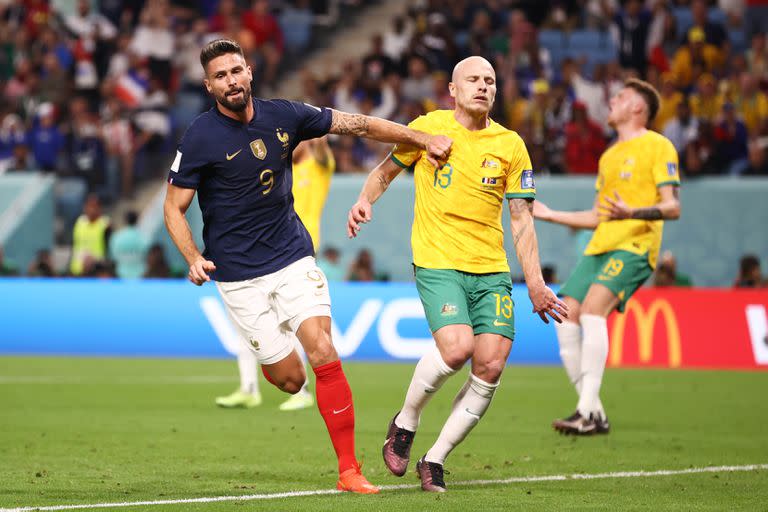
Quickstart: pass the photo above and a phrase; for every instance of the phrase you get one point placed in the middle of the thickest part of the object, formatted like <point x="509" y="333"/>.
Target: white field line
<point x="73" y="379"/>
<point x="465" y="483"/>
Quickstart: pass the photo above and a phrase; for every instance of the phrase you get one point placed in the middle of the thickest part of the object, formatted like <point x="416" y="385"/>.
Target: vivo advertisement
<point x="673" y="328"/>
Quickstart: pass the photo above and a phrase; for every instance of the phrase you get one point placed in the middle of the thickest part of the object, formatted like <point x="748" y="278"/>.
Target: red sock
<point x="334" y="399"/>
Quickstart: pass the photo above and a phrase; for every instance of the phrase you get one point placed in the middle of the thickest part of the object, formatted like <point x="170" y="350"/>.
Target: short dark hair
<point x="131" y="218"/>
<point x="748" y="263"/>
<point x="649" y="94"/>
<point x="217" y="48"/>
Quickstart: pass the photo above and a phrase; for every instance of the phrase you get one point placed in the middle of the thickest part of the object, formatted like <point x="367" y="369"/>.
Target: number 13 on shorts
<point x="503" y="305"/>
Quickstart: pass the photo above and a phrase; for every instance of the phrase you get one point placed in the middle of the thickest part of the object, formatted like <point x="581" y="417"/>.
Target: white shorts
<point x="268" y="310"/>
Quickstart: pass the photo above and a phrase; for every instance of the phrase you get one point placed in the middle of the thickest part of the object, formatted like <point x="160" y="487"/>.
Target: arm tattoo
<point x="518" y="206"/>
<point x="382" y="180"/>
<point x="652" y="213"/>
<point x="348" y="124"/>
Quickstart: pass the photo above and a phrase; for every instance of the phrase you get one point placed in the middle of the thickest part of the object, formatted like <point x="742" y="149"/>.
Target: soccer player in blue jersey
<point x="237" y="156"/>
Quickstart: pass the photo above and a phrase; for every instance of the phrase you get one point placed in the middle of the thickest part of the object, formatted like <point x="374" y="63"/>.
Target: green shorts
<point x="482" y="301"/>
<point x="622" y="272"/>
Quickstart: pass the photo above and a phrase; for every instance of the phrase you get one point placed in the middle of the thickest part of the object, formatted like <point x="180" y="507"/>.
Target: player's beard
<point x="236" y="105"/>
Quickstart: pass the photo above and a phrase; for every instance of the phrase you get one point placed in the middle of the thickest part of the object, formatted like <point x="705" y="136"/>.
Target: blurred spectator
<point x="157" y="265"/>
<point x="757" y="57"/>
<point x="128" y="249"/>
<point x="268" y="39"/>
<point x="11" y="135"/>
<point x="750" y="275"/>
<point x="516" y="108"/>
<point x="705" y="103"/>
<point x="42" y="265"/>
<point x="101" y="270"/>
<point x="84" y="147"/>
<point x="90" y="236"/>
<point x="153" y="40"/>
<point x="376" y="63"/>
<point x="46" y="139"/>
<point x="417" y="86"/>
<point x="714" y="32"/>
<point x="683" y="128"/>
<point x="118" y="137"/>
<point x="752" y="105"/>
<point x="670" y="99"/>
<point x="696" y="56"/>
<point x="700" y="156"/>
<point x="362" y="269"/>
<point x="6" y="269"/>
<point x="21" y="159"/>
<point x="630" y="30"/>
<point x="758" y="156"/>
<point x="397" y="38"/>
<point x="330" y="263"/>
<point x="731" y="136"/>
<point x="584" y="142"/>
<point x="556" y="117"/>
<point x="549" y="273"/>
<point x="594" y="95"/>
<point x="667" y="274"/>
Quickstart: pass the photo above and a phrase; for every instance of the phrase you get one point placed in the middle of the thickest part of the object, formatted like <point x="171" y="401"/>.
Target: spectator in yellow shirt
<point x="752" y="104"/>
<point x="697" y="51"/>
<point x="670" y="99"/>
<point x="706" y="104"/>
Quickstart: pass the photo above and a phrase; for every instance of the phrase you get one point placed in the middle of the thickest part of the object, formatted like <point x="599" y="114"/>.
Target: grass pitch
<point x="90" y="430"/>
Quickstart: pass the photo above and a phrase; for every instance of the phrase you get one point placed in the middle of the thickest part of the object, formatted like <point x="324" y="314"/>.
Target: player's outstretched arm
<point x="177" y="200"/>
<point x="437" y="147"/>
<point x="586" y="219"/>
<point x="544" y="300"/>
<point x="375" y="185"/>
<point x="666" y="209"/>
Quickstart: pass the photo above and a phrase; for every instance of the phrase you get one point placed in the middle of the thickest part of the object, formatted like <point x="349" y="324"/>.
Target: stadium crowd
<point x="557" y="65"/>
<point x="99" y="92"/>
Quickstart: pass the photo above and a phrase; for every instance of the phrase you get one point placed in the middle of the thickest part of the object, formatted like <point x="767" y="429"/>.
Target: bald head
<point x="471" y="65"/>
<point x="473" y="85"/>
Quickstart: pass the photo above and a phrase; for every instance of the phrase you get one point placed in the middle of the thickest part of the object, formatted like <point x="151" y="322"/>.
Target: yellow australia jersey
<point x="457" y="217"/>
<point x="311" y="182"/>
<point x="635" y="169"/>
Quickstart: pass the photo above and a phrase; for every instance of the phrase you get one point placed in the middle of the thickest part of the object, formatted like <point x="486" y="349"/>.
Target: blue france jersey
<point x="243" y="176"/>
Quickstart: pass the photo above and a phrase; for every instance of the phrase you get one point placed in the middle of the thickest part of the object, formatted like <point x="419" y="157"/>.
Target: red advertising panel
<point x="690" y="328"/>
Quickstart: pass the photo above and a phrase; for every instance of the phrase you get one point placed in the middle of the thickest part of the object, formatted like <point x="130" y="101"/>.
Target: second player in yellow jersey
<point x="634" y="169"/>
<point x="637" y="190"/>
<point x="313" y="167"/>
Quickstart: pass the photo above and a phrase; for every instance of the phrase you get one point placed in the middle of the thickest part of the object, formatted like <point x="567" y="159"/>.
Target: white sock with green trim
<point x="594" y="352"/>
<point x="471" y="403"/>
<point x="430" y="374"/>
<point x="569" y="339"/>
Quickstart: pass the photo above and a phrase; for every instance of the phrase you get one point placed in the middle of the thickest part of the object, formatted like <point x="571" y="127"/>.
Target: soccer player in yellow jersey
<point x="462" y="274"/>
<point x="637" y="190"/>
<point x="313" y="166"/>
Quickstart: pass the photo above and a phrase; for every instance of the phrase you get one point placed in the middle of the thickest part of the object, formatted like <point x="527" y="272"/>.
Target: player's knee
<point x="322" y="353"/>
<point x="456" y="355"/>
<point x="293" y="385"/>
<point x="489" y="371"/>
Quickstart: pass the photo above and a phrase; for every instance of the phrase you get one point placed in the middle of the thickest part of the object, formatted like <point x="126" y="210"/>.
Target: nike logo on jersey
<point x="342" y="410"/>
<point x="500" y="324"/>
<point x="233" y="155"/>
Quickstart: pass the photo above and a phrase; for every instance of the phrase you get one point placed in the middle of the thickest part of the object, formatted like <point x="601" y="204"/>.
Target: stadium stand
<point x="101" y="109"/>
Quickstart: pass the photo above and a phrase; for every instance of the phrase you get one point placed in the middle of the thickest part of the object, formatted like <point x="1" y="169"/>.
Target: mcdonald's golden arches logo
<point x="645" y="322"/>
